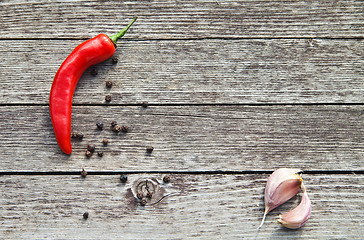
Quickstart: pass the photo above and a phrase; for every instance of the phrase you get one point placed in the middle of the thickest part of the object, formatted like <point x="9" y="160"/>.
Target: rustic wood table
<point x="225" y="92"/>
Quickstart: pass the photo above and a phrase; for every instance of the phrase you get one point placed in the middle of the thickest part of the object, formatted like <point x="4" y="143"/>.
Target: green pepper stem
<point x="115" y="37"/>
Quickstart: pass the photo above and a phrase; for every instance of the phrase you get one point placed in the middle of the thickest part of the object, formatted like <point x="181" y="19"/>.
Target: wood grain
<point x="203" y="207"/>
<point x="171" y="19"/>
<point x="204" y="72"/>
<point x="238" y="86"/>
<point x="189" y="138"/>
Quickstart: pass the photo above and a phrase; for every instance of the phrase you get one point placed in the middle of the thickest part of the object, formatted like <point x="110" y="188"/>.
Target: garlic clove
<point x="282" y="185"/>
<point x="298" y="216"/>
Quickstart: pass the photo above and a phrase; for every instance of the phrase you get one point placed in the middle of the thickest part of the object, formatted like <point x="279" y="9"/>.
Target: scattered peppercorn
<point x="85" y="215"/>
<point x="100" y="154"/>
<point x="83" y="173"/>
<point x="124" y="129"/>
<point x="91" y="147"/>
<point x="116" y="128"/>
<point x="114" y="59"/>
<point x="94" y="72"/>
<point x="100" y="125"/>
<point x="123" y="178"/>
<point x="113" y="123"/>
<point x="77" y="135"/>
<point x="88" y="153"/>
<point x="108" y="98"/>
<point x="144" y="104"/>
<point x="105" y="141"/>
<point x="108" y="84"/>
<point x="166" y="179"/>
<point x="150" y="149"/>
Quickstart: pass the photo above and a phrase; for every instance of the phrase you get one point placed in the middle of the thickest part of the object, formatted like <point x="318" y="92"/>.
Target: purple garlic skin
<point x="282" y="185"/>
<point x="298" y="216"/>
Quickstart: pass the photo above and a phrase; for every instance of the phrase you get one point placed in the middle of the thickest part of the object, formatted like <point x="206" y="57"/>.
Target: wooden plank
<point x="203" y="207"/>
<point x="205" y="71"/>
<point x="171" y="19"/>
<point x="188" y="138"/>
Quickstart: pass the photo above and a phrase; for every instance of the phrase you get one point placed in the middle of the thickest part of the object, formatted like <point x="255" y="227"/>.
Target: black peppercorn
<point x="80" y="135"/>
<point x="91" y="147"/>
<point x="166" y="179"/>
<point x="144" y="104"/>
<point x="123" y="178"/>
<point x="108" y="84"/>
<point x="100" y="125"/>
<point x="100" y="154"/>
<point x="77" y="135"/>
<point x="94" y="72"/>
<point x="116" y="128"/>
<point x="83" y="173"/>
<point x="124" y="129"/>
<point x="105" y="141"/>
<point x="149" y="149"/>
<point x="108" y="98"/>
<point x="85" y="215"/>
<point x="114" y="59"/>
<point x="88" y="153"/>
<point x="113" y="123"/>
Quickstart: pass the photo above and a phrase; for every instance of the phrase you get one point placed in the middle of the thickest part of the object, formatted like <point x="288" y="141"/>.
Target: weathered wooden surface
<point x="203" y="71"/>
<point x="196" y="138"/>
<point x="183" y="19"/>
<point x="203" y="207"/>
<point x="237" y="89"/>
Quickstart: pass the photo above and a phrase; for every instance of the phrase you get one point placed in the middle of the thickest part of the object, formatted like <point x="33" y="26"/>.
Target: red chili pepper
<point x="86" y="54"/>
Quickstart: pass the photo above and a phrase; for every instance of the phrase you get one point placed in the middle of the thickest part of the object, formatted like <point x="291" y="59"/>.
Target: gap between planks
<point x="188" y="39"/>
<point x="43" y="173"/>
<point x="187" y="104"/>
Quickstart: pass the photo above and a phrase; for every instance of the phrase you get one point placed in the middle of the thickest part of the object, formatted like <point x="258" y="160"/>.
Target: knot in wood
<point x="147" y="189"/>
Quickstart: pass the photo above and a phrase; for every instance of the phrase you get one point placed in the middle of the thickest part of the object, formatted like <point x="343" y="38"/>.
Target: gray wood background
<point x="236" y="89"/>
